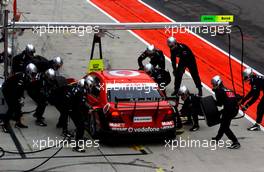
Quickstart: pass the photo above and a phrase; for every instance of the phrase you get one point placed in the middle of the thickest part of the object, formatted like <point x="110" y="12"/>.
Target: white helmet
<point x="150" y="49"/>
<point x="171" y="41"/>
<point x="57" y="62"/>
<point x="183" y="90"/>
<point x="50" y="74"/>
<point x="89" y="80"/>
<point x="31" y="71"/>
<point x="148" y="67"/>
<point x="247" y="74"/>
<point x="81" y="82"/>
<point x="30" y="49"/>
<point x="216" y="81"/>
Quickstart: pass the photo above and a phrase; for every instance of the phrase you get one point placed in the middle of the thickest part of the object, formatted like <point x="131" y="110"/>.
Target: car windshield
<point x="133" y="94"/>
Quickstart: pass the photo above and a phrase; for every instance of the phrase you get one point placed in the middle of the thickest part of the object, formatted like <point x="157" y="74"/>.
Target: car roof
<point x="125" y="76"/>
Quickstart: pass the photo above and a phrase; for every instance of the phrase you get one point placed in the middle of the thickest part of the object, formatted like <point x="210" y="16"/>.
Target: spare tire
<point x="210" y="111"/>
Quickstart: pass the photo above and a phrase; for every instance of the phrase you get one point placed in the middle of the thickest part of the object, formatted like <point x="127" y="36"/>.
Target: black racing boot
<point x="235" y="145"/>
<point x="254" y="127"/>
<point x="20" y="125"/>
<point x="194" y="128"/>
<point x="78" y="149"/>
<point x="67" y="134"/>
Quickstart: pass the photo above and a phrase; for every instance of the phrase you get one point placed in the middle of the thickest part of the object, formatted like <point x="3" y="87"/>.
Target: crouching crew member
<point x="13" y="91"/>
<point x="34" y="89"/>
<point x="227" y="99"/>
<point x="191" y="106"/>
<point x="157" y="58"/>
<point x="257" y="85"/>
<point x="187" y="60"/>
<point x="160" y="76"/>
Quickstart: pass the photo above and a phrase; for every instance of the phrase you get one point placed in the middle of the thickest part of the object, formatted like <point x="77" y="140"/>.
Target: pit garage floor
<point x="136" y="156"/>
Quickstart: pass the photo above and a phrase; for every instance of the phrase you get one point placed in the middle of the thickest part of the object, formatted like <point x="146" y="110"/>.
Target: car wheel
<point x="92" y="126"/>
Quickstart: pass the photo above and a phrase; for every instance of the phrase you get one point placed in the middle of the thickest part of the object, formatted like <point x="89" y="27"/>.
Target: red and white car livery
<point x="128" y="102"/>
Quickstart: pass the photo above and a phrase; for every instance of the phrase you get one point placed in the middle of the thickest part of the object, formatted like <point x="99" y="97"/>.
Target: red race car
<point x="128" y="102"/>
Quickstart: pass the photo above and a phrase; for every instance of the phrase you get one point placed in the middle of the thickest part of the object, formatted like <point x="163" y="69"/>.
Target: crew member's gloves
<point x="244" y="108"/>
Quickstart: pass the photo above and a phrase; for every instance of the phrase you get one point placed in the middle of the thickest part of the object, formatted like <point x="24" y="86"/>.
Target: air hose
<point x="241" y="64"/>
<point x="3" y="152"/>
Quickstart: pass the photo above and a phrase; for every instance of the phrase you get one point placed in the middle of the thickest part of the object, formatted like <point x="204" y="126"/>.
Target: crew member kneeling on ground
<point x="157" y="58"/>
<point x="160" y="76"/>
<point x="257" y="85"/>
<point x="187" y="60"/>
<point x="13" y="91"/>
<point x="191" y="106"/>
<point x="227" y="99"/>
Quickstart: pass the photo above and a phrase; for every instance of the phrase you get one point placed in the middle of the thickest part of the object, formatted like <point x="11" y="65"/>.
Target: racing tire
<point x="210" y="111"/>
<point x="93" y="126"/>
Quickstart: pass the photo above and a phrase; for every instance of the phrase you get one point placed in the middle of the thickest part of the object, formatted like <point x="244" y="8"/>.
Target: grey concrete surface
<point x="125" y="157"/>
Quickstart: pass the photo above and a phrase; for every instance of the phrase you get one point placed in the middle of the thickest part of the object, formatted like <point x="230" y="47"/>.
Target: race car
<point x="128" y="102"/>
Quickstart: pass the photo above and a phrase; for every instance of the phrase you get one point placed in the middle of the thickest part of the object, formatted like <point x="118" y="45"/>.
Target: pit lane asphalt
<point x="76" y="50"/>
<point x="247" y="14"/>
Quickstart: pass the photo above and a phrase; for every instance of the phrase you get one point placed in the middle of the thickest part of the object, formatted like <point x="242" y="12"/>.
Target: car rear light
<point x="115" y="114"/>
<point x="169" y="112"/>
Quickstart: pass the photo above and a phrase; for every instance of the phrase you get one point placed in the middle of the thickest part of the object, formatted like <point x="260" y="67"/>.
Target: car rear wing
<point x="136" y="100"/>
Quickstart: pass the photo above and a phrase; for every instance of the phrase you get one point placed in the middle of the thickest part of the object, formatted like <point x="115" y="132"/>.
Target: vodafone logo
<point x="124" y="73"/>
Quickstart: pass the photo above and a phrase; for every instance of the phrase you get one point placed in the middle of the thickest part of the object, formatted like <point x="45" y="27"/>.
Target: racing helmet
<point x="81" y="83"/>
<point x="9" y="52"/>
<point x="150" y="49"/>
<point x="148" y="68"/>
<point x="216" y="81"/>
<point x="30" y="49"/>
<point x="31" y="71"/>
<point x="183" y="92"/>
<point x="57" y="62"/>
<point x="89" y="81"/>
<point x="247" y="74"/>
<point x="171" y="41"/>
<point x="50" y="74"/>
